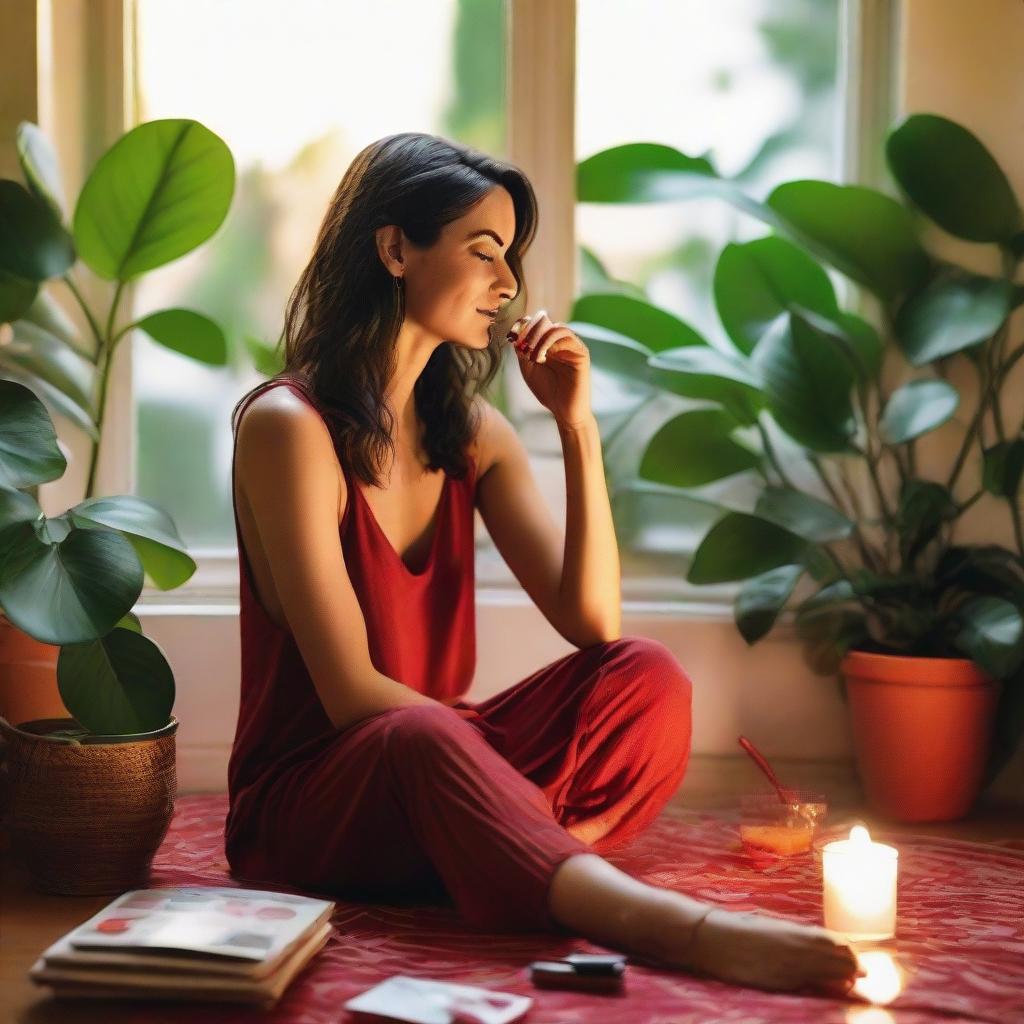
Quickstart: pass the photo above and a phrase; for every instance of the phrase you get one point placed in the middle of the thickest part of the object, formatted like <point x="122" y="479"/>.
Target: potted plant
<point x="841" y="525"/>
<point x="89" y="796"/>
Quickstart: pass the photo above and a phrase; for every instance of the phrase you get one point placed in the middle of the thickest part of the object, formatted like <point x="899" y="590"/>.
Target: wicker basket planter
<point x="87" y="814"/>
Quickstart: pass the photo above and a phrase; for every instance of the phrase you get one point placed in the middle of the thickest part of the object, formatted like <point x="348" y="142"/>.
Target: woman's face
<point x="464" y="272"/>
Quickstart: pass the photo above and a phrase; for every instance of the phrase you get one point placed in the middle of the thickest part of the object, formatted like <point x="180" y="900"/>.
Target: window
<point x="752" y="84"/>
<point x="295" y="98"/>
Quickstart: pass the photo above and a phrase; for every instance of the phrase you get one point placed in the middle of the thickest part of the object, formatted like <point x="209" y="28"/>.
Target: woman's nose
<point x="509" y="289"/>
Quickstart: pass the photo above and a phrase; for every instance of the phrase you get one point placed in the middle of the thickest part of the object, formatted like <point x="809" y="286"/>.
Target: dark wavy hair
<point x="344" y="313"/>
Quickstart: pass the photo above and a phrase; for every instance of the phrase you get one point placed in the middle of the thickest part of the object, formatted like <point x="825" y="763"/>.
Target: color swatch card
<point x="421" y="1001"/>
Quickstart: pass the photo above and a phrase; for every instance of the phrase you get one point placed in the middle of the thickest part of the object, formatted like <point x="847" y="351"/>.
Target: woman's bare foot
<point x="770" y="953"/>
<point x="602" y="903"/>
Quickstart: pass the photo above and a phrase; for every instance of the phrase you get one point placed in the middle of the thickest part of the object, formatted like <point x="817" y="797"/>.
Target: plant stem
<point x="854" y="515"/>
<point x="972" y="429"/>
<point x="883" y="505"/>
<point x="900" y="469"/>
<point x="772" y="457"/>
<point x="103" y="361"/>
<point x="838" y="563"/>
<point x="965" y="505"/>
<point x="69" y="281"/>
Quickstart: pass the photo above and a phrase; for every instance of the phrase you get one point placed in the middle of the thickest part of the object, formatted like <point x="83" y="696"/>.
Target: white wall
<point x="765" y="692"/>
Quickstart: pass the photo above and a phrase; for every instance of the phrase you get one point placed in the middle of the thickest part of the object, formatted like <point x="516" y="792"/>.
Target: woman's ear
<point x="389" y="247"/>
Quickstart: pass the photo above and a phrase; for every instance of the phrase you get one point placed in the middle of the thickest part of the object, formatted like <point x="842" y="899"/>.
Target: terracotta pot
<point x="28" y="691"/>
<point x="28" y="677"/>
<point x="921" y="732"/>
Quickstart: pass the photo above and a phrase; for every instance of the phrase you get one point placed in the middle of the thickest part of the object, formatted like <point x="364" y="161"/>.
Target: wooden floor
<point x="31" y="921"/>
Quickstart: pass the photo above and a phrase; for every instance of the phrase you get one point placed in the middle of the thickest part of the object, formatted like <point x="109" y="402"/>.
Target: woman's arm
<point x="591" y="579"/>
<point x="553" y="571"/>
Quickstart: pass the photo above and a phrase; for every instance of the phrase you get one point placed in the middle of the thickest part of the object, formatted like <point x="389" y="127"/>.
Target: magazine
<point x="189" y="942"/>
<point x="110" y="983"/>
<point x="247" y="925"/>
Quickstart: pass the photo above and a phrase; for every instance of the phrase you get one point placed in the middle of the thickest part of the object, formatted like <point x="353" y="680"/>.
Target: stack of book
<point x="195" y="942"/>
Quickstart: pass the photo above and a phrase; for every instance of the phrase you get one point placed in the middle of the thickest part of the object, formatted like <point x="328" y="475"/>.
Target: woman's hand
<point x="555" y="365"/>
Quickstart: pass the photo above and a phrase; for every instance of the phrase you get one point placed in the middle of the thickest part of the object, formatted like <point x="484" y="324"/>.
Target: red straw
<point x="785" y="795"/>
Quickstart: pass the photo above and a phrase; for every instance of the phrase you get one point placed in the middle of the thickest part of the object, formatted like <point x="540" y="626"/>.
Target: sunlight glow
<point x="883" y="981"/>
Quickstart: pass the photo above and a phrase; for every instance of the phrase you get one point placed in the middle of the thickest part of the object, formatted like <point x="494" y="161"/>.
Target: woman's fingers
<point x="517" y="328"/>
<point x="525" y="328"/>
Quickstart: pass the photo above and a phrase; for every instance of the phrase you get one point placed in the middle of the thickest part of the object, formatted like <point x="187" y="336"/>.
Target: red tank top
<point x="421" y="628"/>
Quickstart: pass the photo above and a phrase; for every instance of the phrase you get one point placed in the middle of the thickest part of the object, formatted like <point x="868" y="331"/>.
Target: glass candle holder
<point x="859" y="886"/>
<point x="770" y="827"/>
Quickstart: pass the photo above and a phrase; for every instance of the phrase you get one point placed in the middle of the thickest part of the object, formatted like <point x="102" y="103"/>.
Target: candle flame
<point x="860" y="835"/>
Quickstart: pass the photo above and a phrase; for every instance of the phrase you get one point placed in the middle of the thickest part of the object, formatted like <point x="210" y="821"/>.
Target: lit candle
<point x="860" y="886"/>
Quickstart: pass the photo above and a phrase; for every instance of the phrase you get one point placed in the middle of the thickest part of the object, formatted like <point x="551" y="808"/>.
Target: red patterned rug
<point x="958" y="953"/>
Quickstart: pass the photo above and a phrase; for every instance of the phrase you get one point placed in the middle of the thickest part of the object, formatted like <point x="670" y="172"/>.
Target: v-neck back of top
<point x="421" y="625"/>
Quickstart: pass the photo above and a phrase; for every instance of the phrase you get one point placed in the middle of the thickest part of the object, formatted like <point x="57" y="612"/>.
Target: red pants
<point x="473" y="801"/>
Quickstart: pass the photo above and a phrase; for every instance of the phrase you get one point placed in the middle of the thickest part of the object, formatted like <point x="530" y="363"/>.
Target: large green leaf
<point x="29" y="453"/>
<point x="69" y="590"/>
<point x="954" y="311"/>
<point x="189" y="333"/>
<point x="161" y="190"/>
<point x="802" y="514"/>
<point x="983" y="569"/>
<point x="16" y="296"/>
<point x="864" y="234"/>
<point x="756" y="281"/>
<point x="852" y="338"/>
<point x="116" y="685"/>
<point x="34" y="350"/>
<point x="824" y="600"/>
<point x="594" y="278"/>
<point x="807" y="383"/>
<point x="916" y="408"/>
<point x="33" y="245"/>
<point x="613" y="352"/>
<point x="39" y="165"/>
<point x="948" y="173"/>
<point x="1002" y="467"/>
<point x="53" y="398"/>
<point x="624" y="450"/>
<point x="760" y="600"/>
<point x="695" y="448"/>
<point x="148" y="527"/>
<point x="654" y="328"/>
<point x="17" y="507"/>
<point x="699" y="372"/>
<point x="862" y="342"/>
<point x="739" y="546"/>
<point x="647" y="172"/>
<point x="991" y="634"/>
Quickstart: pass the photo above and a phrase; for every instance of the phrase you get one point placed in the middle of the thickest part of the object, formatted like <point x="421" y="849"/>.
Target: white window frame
<point x="85" y="73"/>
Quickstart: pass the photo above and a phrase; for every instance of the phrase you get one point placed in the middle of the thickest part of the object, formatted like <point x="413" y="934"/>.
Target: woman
<point x="357" y="767"/>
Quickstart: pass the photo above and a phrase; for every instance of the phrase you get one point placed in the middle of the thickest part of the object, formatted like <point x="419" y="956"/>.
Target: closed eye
<point x="483" y="257"/>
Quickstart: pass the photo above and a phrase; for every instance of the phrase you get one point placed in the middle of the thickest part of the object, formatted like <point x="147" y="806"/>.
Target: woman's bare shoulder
<point x="279" y="424"/>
